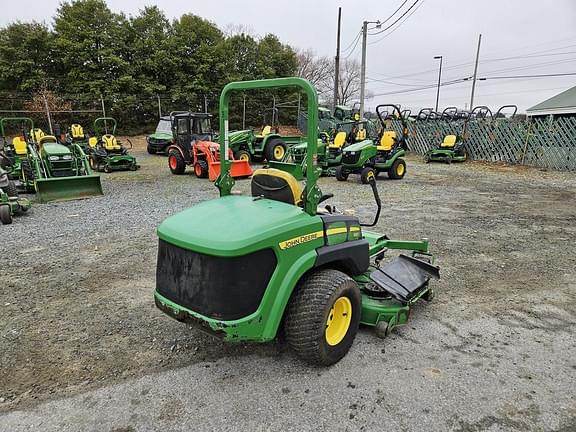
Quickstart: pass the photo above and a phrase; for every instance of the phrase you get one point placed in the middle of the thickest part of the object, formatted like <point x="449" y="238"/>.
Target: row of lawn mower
<point x="311" y="272"/>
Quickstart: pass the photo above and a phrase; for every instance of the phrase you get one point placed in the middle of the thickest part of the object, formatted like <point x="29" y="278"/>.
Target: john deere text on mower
<point x="194" y="146"/>
<point x="368" y="159"/>
<point x="108" y="153"/>
<point x="313" y="271"/>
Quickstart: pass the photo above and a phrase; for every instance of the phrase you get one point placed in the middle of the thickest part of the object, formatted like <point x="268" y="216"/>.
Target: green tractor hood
<point x="359" y="146"/>
<point x="236" y="225"/>
<point x="55" y="149"/>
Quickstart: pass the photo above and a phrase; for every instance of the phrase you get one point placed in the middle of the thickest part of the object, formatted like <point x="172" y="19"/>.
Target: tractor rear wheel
<point x="275" y="150"/>
<point x="323" y="316"/>
<point x="11" y="190"/>
<point x="341" y="174"/>
<point x="5" y="215"/>
<point x="366" y="174"/>
<point x="397" y="170"/>
<point x="201" y="168"/>
<point x="150" y="149"/>
<point x="93" y="163"/>
<point x="242" y="155"/>
<point x="176" y="162"/>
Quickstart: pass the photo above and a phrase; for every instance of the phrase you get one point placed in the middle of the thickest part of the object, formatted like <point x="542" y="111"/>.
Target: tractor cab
<point x="188" y="128"/>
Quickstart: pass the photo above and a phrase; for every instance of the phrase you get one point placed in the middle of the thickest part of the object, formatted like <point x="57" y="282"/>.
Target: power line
<point x="394" y="13"/>
<point x="354" y="42"/>
<point x="446" y="83"/>
<point x="399" y="18"/>
<point x="527" y="76"/>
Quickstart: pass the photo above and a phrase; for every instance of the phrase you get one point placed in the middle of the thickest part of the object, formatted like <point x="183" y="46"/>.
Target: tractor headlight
<point x="67" y="157"/>
<point x="53" y="158"/>
<point x="352" y="153"/>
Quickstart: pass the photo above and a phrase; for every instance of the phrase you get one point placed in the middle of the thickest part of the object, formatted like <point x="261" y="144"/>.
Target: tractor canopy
<point x="163" y="130"/>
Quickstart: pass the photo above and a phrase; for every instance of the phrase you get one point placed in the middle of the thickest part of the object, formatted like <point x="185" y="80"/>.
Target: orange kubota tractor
<point x="194" y="146"/>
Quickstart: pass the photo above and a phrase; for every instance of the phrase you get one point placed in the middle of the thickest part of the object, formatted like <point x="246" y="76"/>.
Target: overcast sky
<point x="540" y="35"/>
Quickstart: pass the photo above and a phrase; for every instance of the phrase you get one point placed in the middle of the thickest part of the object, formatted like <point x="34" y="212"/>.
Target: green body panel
<point x="255" y="144"/>
<point x="444" y="155"/>
<point x="368" y="151"/>
<point x="161" y="136"/>
<point x="55" y="149"/>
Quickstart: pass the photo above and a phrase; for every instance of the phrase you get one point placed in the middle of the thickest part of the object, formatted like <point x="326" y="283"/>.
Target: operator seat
<point x="266" y="130"/>
<point x="110" y="143"/>
<point x="20" y="146"/>
<point x="339" y="140"/>
<point x="77" y="131"/>
<point x="361" y="135"/>
<point x="387" y="141"/>
<point x="449" y="141"/>
<point x="276" y="185"/>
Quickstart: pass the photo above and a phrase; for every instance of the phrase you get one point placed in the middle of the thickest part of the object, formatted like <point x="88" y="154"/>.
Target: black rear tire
<point x="397" y="170"/>
<point x="201" y="168"/>
<point x="150" y="149"/>
<point x="27" y="175"/>
<point x="366" y="174"/>
<point x="11" y="190"/>
<point x="341" y="174"/>
<point x="5" y="214"/>
<point x="310" y="311"/>
<point x="273" y="149"/>
<point x="243" y="155"/>
<point x="176" y="162"/>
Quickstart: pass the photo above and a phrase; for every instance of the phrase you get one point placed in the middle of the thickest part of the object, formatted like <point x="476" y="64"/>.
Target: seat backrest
<point x="449" y="141"/>
<point x="266" y="130"/>
<point x="92" y="142"/>
<point x="387" y="141"/>
<point x="276" y="185"/>
<point x="339" y="140"/>
<point x="77" y="131"/>
<point x="36" y="134"/>
<point x="361" y="135"/>
<point x="20" y="146"/>
<point x="110" y="143"/>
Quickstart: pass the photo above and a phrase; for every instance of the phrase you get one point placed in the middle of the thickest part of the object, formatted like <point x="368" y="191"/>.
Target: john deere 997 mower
<point x="314" y="272"/>
<point x="369" y="159"/>
<point x="107" y="152"/>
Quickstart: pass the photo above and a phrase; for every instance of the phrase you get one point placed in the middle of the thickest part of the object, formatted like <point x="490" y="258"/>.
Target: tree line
<point x="89" y="54"/>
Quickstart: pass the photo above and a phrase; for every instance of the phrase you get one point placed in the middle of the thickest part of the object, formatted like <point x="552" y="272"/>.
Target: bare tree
<point x="318" y="70"/>
<point x="237" y="29"/>
<point x="349" y="85"/>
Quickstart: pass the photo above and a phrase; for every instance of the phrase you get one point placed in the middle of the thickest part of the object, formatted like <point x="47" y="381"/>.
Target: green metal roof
<point x="562" y="103"/>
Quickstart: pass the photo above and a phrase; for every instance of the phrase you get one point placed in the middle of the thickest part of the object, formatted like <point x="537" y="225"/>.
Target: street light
<point x="363" y="69"/>
<point x="439" y="77"/>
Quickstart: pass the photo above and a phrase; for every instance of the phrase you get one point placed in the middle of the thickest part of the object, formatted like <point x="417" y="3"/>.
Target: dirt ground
<point x="77" y="278"/>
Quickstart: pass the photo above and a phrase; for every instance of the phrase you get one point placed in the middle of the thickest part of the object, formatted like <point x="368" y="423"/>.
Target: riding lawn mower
<point x="313" y="273"/>
<point x="108" y="153"/>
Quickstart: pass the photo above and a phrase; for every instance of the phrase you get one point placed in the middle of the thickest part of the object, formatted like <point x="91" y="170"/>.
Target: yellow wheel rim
<point x="244" y="157"/>
<point x="338" y="321"/>
<point x="279" y="152"/>
<point x="400" y="169"/>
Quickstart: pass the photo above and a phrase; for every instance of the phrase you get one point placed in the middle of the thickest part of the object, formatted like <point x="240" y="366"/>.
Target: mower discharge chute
<point x="313" y="270"/>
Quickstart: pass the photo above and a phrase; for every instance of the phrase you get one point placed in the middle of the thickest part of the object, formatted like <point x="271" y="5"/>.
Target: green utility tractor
<point x="162" y="138"/>
<point x="369" y="159"/>
<point x="108" y="153"/>
<point x="268" y="144"/>
<point x="10" y="202"/>
<point x="313" y="272"/>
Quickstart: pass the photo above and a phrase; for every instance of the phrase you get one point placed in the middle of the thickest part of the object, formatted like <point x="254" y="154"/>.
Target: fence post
<point x="103" y="107"/>
<point x="159" y="107"/>
<point x="48" y="114"/>
<point x="243" y="111"/>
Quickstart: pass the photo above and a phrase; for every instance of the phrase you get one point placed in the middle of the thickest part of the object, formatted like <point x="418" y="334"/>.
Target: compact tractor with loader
<point x="107" y="152"/>
<point x="368" y="159"/>
<point x="314" y="272"/>
<point x="194" y="146"/>
<point x="268" y="144"/>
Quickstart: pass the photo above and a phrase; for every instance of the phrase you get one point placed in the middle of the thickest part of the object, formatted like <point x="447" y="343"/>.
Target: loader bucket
<point x="290" y="168"/>
<point x="68" y="188"/>
<point x="237" y="169"/>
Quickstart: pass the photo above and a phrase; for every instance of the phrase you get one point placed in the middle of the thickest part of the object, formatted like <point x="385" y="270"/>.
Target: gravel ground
<point x="83" y="347"/>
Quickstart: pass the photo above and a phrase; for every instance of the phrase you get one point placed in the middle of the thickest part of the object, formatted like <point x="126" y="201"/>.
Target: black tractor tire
<point x="5" y="214"/>
<point x="93" y="163"/>
<point x="134" y="166"/>
<point x="341" y="174"/>
<point x="150" y="149"/>
<point x="201" y="168"/>
<point x="243" y="155"/>
<point x="176" y="162"/>
<point x="366" y="174"/>
<point x="107" y="169"/>
<point x="311" y="310"/>
<point x="397" y="170"/>
<point x="11" y="189"/>
<point x="272" y="152"/>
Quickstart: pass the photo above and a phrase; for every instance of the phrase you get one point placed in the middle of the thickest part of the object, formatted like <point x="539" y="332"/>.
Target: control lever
<point x="372" y="182"/>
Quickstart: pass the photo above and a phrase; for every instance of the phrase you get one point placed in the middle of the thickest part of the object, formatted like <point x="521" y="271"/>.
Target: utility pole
<point x="48" y="113"/>
<point x="159" y="107"/>
<point x="363" y="69"/>
<point x="475" y="72"/>
<point x="337" y="60"/>
<point x="439" y="78"/>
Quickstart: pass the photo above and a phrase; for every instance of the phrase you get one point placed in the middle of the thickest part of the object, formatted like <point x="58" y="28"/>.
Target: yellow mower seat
<point x="449" y="141"/>
<point x="92" y="142"/>
<point x="276" y="185"/>
<point x="20" y="146"/>
<point x="339" y="140"/>
<point x="387" y="141"/>
<point x="110" y="143"/>
<point x="266" y="130"/>
<point x="361" y="135"/>
<point x="77" y="131"/>
<point x="37" y="134"/>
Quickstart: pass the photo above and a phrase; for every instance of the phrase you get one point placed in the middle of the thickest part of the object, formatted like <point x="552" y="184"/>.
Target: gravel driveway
<point x="84" y="348"/>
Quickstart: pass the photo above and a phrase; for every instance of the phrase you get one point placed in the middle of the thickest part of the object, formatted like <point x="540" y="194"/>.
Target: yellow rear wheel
<point x="338" y="321"/>
<point x="279" y="152"/>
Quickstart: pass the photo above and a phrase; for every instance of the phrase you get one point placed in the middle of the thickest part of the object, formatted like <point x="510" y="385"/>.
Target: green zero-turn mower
<point x="108" y="153"/>
<point x="369" y="159"/>
<point x="315" y="273"/>
<point x="10" y="202"/>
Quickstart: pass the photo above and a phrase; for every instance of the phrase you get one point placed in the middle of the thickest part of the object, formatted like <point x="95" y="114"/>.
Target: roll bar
<point x="514" y="107"/>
